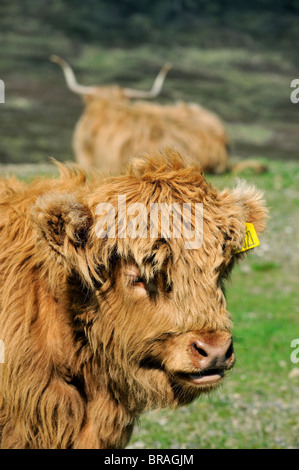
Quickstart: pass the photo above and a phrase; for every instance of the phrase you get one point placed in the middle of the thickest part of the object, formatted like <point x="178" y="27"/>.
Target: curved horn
<point x="71" y="79"/>
<point x="156" y="88"/>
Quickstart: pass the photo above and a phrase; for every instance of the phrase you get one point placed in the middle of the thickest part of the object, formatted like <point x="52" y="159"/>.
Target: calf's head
<point x="150" y="308"/>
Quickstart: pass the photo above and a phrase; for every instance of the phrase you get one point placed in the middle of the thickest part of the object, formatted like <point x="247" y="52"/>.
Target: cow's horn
<point x="156" y="88"/>
<point x="71" y="79"/>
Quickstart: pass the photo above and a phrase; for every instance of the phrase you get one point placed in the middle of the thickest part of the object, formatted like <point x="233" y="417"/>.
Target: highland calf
<point x="113" y="128"/>
<point x="98" y="329"/>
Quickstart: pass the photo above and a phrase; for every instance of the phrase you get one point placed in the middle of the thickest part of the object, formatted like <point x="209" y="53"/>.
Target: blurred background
<point x="238" y="60"/>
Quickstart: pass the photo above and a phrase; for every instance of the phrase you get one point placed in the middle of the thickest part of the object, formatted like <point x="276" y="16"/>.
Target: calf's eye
<point x="136" y="281"/>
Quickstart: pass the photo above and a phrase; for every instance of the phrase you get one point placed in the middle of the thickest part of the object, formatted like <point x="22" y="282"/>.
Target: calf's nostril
<point x="212" y="353"/>
<point x="230" y="351"/>
<point x="199" y="349"/>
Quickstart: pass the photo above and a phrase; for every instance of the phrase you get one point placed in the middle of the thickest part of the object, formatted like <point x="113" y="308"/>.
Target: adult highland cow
<point x="99" y="326"/>
<point x="115" y="126"/>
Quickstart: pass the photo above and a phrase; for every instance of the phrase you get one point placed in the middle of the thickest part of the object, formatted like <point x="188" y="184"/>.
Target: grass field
<point x="257" y="407"/>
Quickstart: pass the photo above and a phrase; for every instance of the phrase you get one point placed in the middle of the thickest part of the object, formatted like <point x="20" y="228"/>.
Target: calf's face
<point x="171" y="328"/>
<point x="185" y="335"/>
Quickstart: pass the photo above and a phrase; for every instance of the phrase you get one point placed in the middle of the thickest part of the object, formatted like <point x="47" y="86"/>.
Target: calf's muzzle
<point x="212" y="351"/>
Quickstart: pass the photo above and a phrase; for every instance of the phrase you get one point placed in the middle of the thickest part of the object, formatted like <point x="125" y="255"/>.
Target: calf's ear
<point x="62" y="221"/>
<point x="244" y="204"/>
<point x="252" y="205"/>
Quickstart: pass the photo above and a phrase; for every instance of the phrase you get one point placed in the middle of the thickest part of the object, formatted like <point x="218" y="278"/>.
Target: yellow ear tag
<point x="251" y="239"/>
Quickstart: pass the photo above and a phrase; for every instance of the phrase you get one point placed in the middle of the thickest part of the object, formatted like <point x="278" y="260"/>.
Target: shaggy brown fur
<point x="114" y="128"/>
<point x="97" y="330"/>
